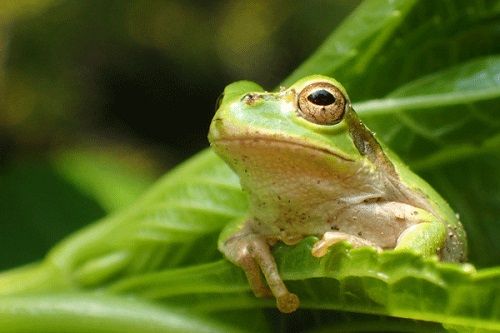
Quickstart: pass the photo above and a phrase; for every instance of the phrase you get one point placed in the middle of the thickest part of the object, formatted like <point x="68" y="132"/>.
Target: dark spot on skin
<point x="360" y="233"/>
<point x="335" y="227"/>
<point x="372" y="200"/>
<point x="414" y="212"/>
<point x="279" y="197"/>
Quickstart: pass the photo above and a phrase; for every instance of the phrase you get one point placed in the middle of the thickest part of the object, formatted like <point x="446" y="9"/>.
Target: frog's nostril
<point x="251" y="98"/>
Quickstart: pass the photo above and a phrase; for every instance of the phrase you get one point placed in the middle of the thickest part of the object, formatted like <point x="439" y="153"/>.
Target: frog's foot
<point x="330" y="238"/>
<point x="252" y="253"/>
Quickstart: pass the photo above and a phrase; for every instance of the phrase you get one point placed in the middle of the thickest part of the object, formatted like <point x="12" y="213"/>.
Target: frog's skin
<point x="310" y="167"/>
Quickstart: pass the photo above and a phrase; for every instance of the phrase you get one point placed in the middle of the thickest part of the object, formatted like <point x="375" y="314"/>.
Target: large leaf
<point x="113" y="177"/>
<point x="367" y="28"/>
<point x="97" y="313"/>
<point x="442" y="117"/>
<point x="443" y="124"/>
<point x="402" y="40"/>
<point x="359" y="280"/>
<point x="177" y="221"/>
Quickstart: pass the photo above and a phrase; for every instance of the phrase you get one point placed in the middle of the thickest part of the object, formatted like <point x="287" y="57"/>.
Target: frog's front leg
<point x="330" y="238"/>
<point x="252" y="253"/>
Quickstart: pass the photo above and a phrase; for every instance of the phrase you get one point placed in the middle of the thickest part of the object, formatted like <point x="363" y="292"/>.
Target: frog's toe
<point x="252" y="271"/>
<point x="261" y="291"/>
<point x="288" y="302"/>
<point x="320" y="248"/>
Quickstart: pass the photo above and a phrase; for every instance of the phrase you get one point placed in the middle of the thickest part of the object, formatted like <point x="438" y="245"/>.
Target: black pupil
<point x="321" y="97"/>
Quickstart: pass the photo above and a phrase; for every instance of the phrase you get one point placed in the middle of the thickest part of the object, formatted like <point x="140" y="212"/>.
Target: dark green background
<point x="123" y="90"/>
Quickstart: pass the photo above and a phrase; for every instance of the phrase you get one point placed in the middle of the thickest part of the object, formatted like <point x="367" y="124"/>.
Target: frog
<point x="310" y="167"/>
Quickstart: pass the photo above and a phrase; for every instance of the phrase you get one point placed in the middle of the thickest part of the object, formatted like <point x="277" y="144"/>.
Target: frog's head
<point x="290" y="148"/>
<point x="309" y="114"/>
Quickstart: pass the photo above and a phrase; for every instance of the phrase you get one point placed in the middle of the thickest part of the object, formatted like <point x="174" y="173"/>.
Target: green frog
<point x="311" y="167"/>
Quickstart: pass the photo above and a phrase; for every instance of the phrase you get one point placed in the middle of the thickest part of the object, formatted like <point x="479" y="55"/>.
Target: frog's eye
<point x="218" y="102"/>
<point x="322" y="103"/>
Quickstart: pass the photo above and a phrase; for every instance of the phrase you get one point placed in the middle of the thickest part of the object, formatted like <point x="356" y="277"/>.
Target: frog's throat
<point x="281" y="141"/>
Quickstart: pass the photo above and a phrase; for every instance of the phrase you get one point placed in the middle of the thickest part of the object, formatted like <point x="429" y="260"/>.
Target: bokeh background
<point x="98" y="98"/>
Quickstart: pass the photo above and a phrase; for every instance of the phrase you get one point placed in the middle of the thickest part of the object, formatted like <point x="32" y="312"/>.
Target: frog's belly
<point x="380" y="223"/>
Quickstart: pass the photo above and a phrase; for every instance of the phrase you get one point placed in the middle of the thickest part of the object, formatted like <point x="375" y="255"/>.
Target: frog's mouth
<point x="281" y="142"/>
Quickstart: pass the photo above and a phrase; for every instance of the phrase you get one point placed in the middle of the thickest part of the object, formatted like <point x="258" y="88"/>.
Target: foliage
<point x="425" y="77"/>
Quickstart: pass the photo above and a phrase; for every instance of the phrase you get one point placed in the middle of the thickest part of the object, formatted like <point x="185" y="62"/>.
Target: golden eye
<point x="322" y="103"/>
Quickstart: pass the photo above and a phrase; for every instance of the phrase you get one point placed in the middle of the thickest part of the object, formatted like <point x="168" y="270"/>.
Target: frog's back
<point x="402" y="185"/>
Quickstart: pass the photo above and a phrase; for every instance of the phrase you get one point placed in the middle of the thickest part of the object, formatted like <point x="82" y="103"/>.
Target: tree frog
<point x="310" y="167"/>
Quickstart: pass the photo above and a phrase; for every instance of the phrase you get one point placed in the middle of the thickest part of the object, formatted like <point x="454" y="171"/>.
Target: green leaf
<point x="366" y="29"/>
<point x="441" y="117"/>
<point x="359" y="280"/>
<point x="102" y="174"/>
<point x="397" y="284"/>
<point x="97" y="313"/>
<point x="403" y="40"/>
<point x="175" y="222"/>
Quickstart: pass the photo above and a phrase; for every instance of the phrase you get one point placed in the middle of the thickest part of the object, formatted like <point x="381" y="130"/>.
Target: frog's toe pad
<point x="287" y="303"/>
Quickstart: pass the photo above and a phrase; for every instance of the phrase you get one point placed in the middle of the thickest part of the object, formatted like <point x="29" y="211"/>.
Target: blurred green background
<point x="98" y="98"/>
